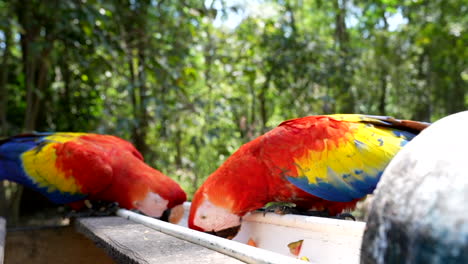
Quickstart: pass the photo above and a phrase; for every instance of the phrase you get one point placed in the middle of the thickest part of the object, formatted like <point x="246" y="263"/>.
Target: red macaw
<point x="316" y="162"/>
<point x="71" y="167"/>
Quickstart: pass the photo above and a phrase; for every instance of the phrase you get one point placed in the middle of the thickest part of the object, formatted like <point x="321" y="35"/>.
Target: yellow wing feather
<point x="40" y="166"/>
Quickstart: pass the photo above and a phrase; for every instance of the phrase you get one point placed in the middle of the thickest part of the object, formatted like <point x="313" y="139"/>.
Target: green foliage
<point x="189" y="92"/>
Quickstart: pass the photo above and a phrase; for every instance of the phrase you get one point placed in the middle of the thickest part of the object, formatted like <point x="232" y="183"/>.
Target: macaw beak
<point x="228" y="233"/>
<point x="173" y="215"/>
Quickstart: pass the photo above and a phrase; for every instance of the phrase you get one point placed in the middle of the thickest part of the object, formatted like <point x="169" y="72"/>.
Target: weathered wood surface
<point x="51" y="245"/>
<point x="2" y="238"/>
<point x="129" y="242"/>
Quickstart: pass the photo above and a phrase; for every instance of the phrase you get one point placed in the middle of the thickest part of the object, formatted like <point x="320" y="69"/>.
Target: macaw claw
<point x="280" y="208"/>
<point x="290" y="208"/>
<point x="325" y="213"/>
<point x="95" y="208"/>
<point x="343" y="216"/>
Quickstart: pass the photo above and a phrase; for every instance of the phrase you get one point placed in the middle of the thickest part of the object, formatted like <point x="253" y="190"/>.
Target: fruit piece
<point x="295" y="247"/>
<point x="252" y="243"/>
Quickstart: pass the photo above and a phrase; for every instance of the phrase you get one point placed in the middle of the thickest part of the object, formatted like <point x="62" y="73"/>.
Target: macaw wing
<point x="57" y="165"/>
<point x="349" y="166"/>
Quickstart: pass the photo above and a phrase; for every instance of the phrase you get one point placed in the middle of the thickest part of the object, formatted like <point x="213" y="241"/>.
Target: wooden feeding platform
<point x="51" y="245"/>
<point x="2" y="238"/>
<point x="132" y="238"/>
<point x="129" y="242"/>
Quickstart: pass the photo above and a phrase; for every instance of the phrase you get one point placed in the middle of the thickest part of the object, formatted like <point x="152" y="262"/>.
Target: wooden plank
<point x="2" y="238"/>
<point x="129" y="242"/>
<point x="51" y="245"/>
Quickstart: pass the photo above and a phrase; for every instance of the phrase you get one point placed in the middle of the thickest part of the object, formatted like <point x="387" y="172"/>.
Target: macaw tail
<point x="411" y="126"/>
<point x="405" y="125"/>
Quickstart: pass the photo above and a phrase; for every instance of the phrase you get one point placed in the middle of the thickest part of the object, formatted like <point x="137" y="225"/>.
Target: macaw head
<point x="214" y="216"/>
<point x="234" y="189"/>
<point x="136" y="185"/>
<point x="159" y="196"/>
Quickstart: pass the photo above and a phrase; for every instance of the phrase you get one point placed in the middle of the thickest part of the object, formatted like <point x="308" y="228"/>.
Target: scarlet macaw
<point x="316" y="162"/>
<point x="72" y="167"/>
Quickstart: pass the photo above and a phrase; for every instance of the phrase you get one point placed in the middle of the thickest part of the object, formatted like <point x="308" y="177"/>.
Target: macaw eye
<point x="203" y="217"/>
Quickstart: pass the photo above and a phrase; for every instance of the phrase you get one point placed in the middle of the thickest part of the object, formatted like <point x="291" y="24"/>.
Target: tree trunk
<point x="178" y="144"/>
<point x="35" y="70"/>
<point x="143" y="99"/>
<point x="262" y="101"/>
<point x="28" y="70"/>
<point x="28" y="36"/>
<point x="458" y="93"/>
<point x="345" y="98"/>
<point x="251" y="124"/>
<point x="383" y="91"/>
<point x="423" y="108"/>
<point x="3" y="105"/>
<point x="382" y="43"/>
<point x="134" y="35"/>
<point x="4" y="81"/>
<point x="66" y="95"/>
<point x="138" y="98"/>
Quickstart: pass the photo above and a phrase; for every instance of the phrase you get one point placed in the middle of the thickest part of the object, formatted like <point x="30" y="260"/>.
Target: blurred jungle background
<point x="189" y="81"/>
